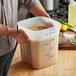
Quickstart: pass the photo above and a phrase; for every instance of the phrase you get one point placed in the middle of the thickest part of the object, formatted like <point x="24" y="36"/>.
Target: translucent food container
<point x="42" y="49"/>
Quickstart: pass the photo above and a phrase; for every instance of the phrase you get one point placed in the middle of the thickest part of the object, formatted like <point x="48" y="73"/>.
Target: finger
<point x="20" y="39"/>
<point x="26" y="37"/>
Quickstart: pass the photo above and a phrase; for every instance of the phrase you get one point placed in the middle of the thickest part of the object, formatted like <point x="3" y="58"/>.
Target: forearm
<point x="19" y="35"/>
<point x="4" y="30"/>
<point x="38" y="10"/>
<point x="35" y="7"/>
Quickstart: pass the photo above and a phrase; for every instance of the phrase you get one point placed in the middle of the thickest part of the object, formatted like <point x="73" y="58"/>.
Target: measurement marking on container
<point x="49" y="56"/>
<point x="46" y="44"/>
<point x="51" y="48"/>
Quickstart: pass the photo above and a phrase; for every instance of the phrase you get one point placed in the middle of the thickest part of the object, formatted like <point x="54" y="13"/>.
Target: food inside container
<point x="44" y="52"/>
<point x="40" y="25"/>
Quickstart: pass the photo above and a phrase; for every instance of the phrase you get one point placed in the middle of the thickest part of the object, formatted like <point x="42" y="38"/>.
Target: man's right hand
<point x="20" y="36"/>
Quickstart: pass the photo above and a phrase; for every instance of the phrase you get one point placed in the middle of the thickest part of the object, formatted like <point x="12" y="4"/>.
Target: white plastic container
<point x="42" y="50"/>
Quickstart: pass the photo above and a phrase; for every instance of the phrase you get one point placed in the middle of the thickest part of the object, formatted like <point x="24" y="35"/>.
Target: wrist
<point x="12" y="31"/>
<point x="4" y="30"/>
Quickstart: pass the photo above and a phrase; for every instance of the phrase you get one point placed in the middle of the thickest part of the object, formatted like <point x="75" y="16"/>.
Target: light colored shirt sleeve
<point x="30" y="3"/>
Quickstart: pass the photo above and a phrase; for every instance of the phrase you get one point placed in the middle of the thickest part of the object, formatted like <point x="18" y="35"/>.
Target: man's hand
<point x="20" y="36"/>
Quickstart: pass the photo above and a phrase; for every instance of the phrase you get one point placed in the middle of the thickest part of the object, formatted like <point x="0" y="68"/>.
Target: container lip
<point x="54" y="22"/>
